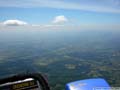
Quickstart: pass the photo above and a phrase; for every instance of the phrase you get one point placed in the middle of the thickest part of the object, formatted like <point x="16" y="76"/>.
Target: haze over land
<point x="63" y="55"/>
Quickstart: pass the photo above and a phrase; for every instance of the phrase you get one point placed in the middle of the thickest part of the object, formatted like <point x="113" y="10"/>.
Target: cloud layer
<point x="112" y="6"/>
<point x="58" y="23"/>
<point x="14" y="23"/>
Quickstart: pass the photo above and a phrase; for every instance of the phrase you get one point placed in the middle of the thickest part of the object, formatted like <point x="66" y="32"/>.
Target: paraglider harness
<point x="31" y="81"/>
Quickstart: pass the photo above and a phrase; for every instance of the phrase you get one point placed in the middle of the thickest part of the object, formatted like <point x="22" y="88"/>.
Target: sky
<point x="78" y="14"/>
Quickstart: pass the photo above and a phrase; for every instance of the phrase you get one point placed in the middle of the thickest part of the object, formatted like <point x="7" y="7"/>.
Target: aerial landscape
<point x="62" y="57"/>
<point x="64" y="43"/>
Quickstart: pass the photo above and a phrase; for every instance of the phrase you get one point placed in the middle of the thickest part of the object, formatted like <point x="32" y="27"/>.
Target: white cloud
<point x="60" y="19"/>
<point x="14" y="23"/>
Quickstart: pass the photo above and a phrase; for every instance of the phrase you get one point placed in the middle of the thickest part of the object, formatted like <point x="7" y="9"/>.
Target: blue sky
<point x="76" y="12"/>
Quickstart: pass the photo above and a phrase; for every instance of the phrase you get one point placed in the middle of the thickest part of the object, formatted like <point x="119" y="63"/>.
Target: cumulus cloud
<point x="60" y="19"/>
<point x="14" y="23"/>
